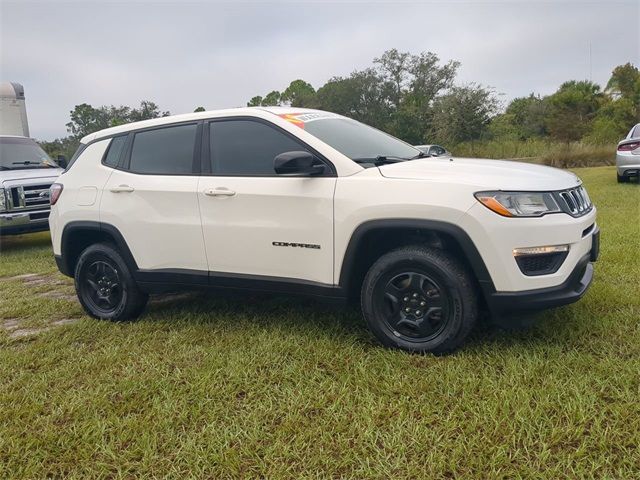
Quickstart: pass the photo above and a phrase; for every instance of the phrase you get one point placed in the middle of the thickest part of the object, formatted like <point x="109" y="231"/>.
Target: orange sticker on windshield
<point x="290" y="117"/>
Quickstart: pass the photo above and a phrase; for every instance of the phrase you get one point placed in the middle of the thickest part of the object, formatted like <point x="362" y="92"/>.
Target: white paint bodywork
<point x="170" y="221"/>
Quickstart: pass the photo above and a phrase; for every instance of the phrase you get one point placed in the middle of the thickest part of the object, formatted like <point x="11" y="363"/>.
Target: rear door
<point x="151" y="198"/>
<point x="257" y="223"/>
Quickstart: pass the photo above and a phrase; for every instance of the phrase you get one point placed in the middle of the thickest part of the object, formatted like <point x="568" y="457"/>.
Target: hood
<point x="29" y="174"/>
<point x="484" y="174"/>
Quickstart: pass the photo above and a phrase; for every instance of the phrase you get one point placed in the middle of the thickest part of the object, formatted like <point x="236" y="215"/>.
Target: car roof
<point x="187" y="117"/>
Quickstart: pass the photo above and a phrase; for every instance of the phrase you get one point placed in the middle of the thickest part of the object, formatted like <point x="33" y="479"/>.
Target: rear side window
<point x="114" y="152"/>
<point x="245" y="147"/>
<point x="164" y="151"/>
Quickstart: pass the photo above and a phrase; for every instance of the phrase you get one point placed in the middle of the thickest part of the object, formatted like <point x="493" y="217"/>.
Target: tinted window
<point x="244" y="147"/>
<point x="165" y="151"/>
<point x="115" y="150"/>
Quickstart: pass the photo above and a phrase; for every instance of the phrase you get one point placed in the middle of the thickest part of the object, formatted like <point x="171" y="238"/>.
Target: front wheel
<point x="105" y="285"/>
<point x="622" y="178"/>
<point x="419" y="299"/>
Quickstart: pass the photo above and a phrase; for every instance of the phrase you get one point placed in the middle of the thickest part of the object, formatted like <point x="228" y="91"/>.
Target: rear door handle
<point x="219" y="192"/>
<point x="122" y="188"/>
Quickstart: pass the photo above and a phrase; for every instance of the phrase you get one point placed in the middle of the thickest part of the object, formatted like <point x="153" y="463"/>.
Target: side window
<point x="164" y="151"/>
<point x="245" y="147"/>
<point x="636" y="132"/>
<point x="112" y="158"/>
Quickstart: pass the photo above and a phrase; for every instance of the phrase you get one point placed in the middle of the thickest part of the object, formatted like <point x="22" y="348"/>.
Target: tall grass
<point x="555" y="154"/>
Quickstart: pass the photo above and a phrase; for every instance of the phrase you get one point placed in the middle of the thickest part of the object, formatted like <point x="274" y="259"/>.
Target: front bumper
<point x="24" y="222"/>
<point x="506" y="304"/>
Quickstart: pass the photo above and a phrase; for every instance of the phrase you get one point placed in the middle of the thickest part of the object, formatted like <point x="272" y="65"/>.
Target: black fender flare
<point x="454" y="231"/>
<point x="77" y="227"/>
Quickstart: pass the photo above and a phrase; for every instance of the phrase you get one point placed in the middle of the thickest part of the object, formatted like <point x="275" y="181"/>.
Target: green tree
<point x="255" y="101"/>
<point x="146" y="111"/>
<point x="200" y="109"/>
<point x="426" y="80"/>
<point x="625" y="82"/>
<point x="613" y="121"/>
<point x="299" y="94"/>
<point x="61" y="146"/>
<point x="463" y="114"/>
<point x="272" y="99"/>
<point x="393" y="67"/>
<point x="572" y="108"/>
<point x="360" y="96"/>
<point x="86" y="119"/>
<point x="524" y="118"/>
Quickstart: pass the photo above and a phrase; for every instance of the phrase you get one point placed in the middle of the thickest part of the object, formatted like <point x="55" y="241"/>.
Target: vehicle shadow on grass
<point x="309" y="316"/>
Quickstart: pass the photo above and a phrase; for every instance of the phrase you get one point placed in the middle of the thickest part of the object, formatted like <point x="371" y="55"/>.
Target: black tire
<point x="424" y="281"/>
<point x="622" y="178"/>
<point x="105" y="285"/>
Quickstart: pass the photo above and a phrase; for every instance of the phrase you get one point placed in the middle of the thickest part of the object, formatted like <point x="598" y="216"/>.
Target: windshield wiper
<point x="2" y="167"/>
<point x="381" y="160"/>
<point x="420" y="155"/>
<point x="29" y="162"/>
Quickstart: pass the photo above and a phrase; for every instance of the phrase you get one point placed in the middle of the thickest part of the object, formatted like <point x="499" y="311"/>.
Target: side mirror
<point x="62" y="161"/>
<point x="297" y="163"/>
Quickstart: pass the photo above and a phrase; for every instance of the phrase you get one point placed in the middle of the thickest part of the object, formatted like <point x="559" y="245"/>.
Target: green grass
<point x="216" y="388"/>
<point x="555" y="154"/>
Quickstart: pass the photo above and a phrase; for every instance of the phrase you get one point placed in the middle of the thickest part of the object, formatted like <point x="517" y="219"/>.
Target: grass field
<point x="213" y="388"/>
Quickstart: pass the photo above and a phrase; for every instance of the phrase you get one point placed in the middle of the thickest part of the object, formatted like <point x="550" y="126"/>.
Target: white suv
<point x="300" y="201"/>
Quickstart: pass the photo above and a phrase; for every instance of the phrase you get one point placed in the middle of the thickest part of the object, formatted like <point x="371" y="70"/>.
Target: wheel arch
<point x="78" y="235"/>
<point x="359" y="254"/>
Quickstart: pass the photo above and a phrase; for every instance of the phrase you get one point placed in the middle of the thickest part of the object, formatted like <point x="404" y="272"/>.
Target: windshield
<point x="359" y="141"/>
<point x="20" y="153"/>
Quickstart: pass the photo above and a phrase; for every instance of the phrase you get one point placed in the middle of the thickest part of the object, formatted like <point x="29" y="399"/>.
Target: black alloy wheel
<point x="415" y="306"/>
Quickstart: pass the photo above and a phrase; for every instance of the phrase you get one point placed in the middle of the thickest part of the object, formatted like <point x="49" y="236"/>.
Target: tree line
<point x="416" y="97"/>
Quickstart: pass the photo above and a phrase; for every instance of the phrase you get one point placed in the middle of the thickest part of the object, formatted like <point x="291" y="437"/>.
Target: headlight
<point x="519" y="204"/>
<point x="3" y="200"/>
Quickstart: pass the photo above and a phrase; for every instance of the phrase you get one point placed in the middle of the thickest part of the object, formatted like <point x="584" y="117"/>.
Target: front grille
<point x="574" y="201"/>
<point x="28" y="197"/>
<point x="36" y="195"/>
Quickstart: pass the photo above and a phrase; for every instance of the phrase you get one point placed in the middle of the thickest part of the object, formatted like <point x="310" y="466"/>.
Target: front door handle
<point x="219" y="192"/>
<point x="122" y="188"/>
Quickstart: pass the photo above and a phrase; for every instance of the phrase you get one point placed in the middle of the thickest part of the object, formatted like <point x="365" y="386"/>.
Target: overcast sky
<point x="220" y="54"/>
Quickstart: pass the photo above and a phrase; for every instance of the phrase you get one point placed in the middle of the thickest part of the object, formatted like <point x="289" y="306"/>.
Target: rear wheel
<point x="105" y="285"/>
<point x="622" y="178"/>
<point x="419" y="299"/>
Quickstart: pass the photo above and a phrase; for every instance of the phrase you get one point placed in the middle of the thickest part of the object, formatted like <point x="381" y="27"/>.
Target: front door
<point x="255" y="222"/>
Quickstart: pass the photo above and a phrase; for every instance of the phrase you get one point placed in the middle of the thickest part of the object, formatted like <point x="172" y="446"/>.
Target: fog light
<point x="540" y="260"/>
<point x="540" y="250"/>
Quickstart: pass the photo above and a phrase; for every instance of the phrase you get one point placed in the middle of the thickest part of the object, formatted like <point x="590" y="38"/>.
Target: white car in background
<point x="434" y="150"/>
<point x="628" y="156"/>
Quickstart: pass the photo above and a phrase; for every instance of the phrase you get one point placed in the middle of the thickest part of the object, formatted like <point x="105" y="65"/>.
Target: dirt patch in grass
<point x="15" y="327"/>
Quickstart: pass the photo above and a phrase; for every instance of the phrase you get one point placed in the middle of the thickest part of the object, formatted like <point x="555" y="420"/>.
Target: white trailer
<point x="13" y="110"/>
